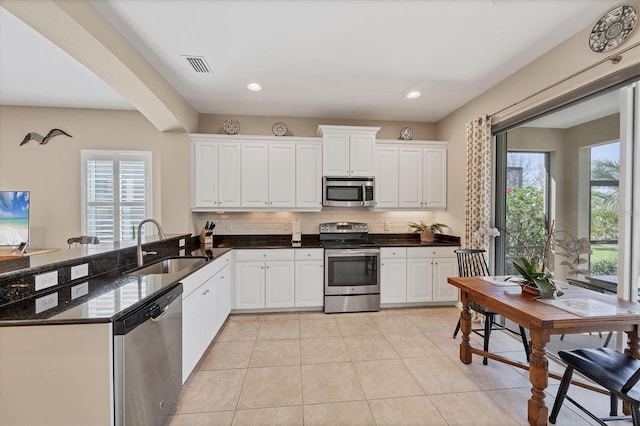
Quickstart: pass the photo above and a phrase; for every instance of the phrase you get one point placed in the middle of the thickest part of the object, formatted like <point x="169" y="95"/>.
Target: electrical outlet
<point x="79" y="290"/>
<point x="79" y="271"/>
<point x="386" y="225"/>
<point x="46" y="302"/>
<point x="46" y="280"/>
<point x="182" y="252"/>
<point x="229" y="226"/>
<point x="181" y="242"/>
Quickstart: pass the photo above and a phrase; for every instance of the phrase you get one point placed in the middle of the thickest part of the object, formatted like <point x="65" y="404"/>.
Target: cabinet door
<point x="249" y="291"/>
<point x="362" y="152"/>
<point x="309" y="176"/>
<point x="210" y="313"/>
<point x="309" y="283"/>
<point x="434" y="192"/>
<point x="393" y="281"/>
<point x="279" y="284"/>
<point x="335" y="154"/>
<point x="282" y="175"/>
<point x="410" y="178"/>
<point x="228" y="168"/>
<point x="191" y="332"/>
<point x="205" y="174"/>
<point x="255" y="175"/>
<point x="387" y="177"/>
<point x="419" y="280"/>
<point x="444" y="267"/>
<point x="223" y="282"/>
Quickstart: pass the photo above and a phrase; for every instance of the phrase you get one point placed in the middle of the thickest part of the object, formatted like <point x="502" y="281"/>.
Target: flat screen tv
<point x="14" y="218"/>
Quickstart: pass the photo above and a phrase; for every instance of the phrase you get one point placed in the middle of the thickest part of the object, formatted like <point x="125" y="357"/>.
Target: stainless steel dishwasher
<point x="148" y="361"/>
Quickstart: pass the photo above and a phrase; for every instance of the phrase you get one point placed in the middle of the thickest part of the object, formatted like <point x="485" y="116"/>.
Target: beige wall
<point x="253" y="125"/>
<point x="52" y="171"/>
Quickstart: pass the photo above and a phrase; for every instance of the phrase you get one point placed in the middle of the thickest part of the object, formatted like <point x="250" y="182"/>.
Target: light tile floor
<point x="393" y="367"/>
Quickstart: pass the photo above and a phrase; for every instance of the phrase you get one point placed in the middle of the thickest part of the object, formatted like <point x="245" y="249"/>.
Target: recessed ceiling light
<point x="254" y="87"/>
<point x="414" y="94"/>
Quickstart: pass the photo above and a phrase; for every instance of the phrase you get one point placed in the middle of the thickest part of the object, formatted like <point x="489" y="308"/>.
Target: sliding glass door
<point x="576" y="168"/>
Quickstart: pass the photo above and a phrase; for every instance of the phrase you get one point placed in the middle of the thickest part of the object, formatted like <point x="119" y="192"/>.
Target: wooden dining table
<point x="577" y="311"/>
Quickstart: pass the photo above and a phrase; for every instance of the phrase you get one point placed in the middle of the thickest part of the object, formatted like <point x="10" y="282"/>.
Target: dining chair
<point x="615" y="371"/>
<point x="471" y="263"/>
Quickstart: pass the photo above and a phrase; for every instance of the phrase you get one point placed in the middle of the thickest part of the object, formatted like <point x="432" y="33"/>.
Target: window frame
<point x="116" y="156"/>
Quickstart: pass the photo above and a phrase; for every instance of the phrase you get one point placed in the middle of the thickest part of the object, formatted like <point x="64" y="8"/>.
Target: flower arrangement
<point x="427" y="232"/>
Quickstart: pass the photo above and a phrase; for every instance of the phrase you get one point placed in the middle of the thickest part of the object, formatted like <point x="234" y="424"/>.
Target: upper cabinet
<point x="348" y="150"/>
<point x="255" y="173"/>
<point x="411" y="175"/>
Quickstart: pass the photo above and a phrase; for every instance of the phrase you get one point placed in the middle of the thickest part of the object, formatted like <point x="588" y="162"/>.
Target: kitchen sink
<point x="170" y="265"/>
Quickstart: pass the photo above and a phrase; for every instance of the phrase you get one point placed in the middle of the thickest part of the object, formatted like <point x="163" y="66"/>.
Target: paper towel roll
<point x="296" y="234"/>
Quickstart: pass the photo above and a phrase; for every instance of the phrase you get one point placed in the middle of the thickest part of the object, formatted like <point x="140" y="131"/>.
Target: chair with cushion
<point x="471" y="263"/>
<point x="616" y="372"/>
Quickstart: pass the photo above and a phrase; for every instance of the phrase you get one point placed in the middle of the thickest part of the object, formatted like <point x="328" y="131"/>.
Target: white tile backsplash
<point x="280" y="222"/>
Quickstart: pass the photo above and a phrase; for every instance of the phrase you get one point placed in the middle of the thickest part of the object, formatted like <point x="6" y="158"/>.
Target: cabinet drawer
<point x="415" y="252"/>
<point x="309" y="254"/>
<point x="393" y="252"/>
<point x="199" y="277"/>
<point x="261" y="255"/>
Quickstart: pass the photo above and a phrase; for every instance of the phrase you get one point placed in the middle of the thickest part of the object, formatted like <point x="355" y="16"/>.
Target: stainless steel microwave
<point x="348" y="191"/>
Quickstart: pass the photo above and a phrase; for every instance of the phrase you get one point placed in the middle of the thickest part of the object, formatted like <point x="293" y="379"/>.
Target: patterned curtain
<point x="478" y="189"/>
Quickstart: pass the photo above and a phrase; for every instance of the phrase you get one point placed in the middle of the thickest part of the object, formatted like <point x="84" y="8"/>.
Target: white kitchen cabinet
<point x="282" y="175"/>
<point x="444" y="267"/>
<point x="348" y="150"/>
<point x="215" y="175"/>
<point x="309" y="277"/>
<point x="419" y="279"/>
<point x="414" y="178"/>
<point x="309" y="176"/>
<point x="387" y="177"/>
<point x="268" y="175"/>
<point x="205" y="307"/>
<point x="255" y="173"/>
<point x="279" y="284"/>
<point x="417" y="274"/>
<point x="264" y="279"/>
<point x="393" y="275"/>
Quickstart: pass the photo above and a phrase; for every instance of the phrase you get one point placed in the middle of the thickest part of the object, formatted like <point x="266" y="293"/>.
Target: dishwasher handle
<point x="157" y="314"/>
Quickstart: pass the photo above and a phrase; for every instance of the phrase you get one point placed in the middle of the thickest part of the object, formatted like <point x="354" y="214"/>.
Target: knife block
<point x="206" y="237"/>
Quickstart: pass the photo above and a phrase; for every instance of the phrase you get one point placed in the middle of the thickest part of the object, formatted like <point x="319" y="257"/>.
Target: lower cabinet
<point x="206" y="303"/>
<point x="417" y="274"/>
<point x="279" y="278"/>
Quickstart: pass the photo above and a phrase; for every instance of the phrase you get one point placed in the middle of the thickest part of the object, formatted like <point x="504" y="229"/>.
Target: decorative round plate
<point x="279" y="128"/>
<point x="406" y="133"/>
<point x="613" y="28"/>
<point x="231" y="127"/>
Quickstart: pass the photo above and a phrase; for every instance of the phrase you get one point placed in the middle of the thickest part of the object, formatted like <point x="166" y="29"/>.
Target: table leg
<point x="538" y="412"/>
<point x="465" y="327"/>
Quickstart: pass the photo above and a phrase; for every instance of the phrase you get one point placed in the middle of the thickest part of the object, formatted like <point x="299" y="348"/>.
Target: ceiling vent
<point x="198" y="63"/>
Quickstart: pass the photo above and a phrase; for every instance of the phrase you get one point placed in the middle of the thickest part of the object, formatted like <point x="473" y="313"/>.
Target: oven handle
<point x="351" y="252"/>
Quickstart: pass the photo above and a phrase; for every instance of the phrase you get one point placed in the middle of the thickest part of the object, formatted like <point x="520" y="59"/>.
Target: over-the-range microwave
<point x="348" y="191"/>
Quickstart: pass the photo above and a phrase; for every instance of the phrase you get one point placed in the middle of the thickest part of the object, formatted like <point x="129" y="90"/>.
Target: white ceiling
<point x="332" y="59"/>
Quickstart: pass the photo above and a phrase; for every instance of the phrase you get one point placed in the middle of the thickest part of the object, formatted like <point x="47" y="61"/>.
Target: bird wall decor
<point x="42" y="140"/>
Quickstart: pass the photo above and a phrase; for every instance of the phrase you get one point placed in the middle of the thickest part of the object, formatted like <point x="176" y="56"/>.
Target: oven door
<point x="351" y="271"/>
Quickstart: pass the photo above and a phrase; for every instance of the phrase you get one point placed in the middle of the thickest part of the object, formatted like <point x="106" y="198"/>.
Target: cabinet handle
<point x="267" y="267"/>
<point x="265" y="203"/>
<point x="222" y="277"/>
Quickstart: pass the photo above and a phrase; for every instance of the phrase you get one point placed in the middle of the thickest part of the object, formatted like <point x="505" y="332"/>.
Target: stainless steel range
<point x="351" y="268"/>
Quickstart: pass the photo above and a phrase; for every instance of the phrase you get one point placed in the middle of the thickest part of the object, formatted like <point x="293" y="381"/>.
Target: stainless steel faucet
<point x="141" y="254"/>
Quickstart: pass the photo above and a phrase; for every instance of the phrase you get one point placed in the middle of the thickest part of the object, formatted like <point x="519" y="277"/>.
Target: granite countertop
<point x="110" y="297"/>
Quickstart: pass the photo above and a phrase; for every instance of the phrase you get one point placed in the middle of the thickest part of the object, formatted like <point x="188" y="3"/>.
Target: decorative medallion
<point x="279" y="128"/>
<point x="613" y="28"/>
<point x="406" y="133"/>
<point x="231" y="127"/>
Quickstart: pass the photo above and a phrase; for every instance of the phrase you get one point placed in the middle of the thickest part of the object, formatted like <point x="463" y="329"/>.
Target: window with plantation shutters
<point x="116" y="193"/>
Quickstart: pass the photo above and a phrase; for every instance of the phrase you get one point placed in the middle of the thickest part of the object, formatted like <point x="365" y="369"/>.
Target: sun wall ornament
<point x="613" y="28"/>
<point x="42" y="140"/>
